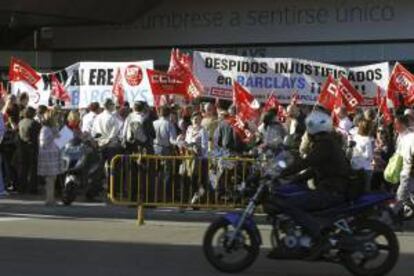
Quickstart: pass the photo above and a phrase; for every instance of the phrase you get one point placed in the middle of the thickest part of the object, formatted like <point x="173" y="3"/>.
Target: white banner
<point x="282" y="76"/>
<point x="88" y="82"/>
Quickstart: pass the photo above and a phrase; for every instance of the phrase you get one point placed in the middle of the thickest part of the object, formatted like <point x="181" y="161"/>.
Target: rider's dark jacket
<point x="327" y="163"/>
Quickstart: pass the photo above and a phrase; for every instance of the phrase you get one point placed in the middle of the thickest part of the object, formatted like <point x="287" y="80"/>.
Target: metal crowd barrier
<point x="177" y="181"/>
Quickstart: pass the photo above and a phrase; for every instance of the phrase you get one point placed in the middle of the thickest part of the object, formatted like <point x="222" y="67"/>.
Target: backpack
<point x="393" y="170"/>
<point x="136" y="133"/>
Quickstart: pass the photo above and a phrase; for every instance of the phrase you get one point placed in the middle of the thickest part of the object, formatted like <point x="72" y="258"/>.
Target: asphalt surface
<point x="96" y="239"/>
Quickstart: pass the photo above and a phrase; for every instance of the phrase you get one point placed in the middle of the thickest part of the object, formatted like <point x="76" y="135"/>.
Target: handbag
<point x="393" y="170"/>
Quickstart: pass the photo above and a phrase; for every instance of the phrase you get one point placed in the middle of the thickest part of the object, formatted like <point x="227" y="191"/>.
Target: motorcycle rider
<point x="327" y="165"/>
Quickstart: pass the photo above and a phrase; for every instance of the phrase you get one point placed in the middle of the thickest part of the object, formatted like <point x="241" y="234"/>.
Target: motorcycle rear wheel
<point x="217" y="259"/>
<point x="382" y="240"/>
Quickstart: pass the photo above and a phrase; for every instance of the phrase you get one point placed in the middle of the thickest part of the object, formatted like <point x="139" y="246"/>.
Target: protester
<point x="196" y="138"/>
<point x="27" y="152"/>
<point x="295" y="127"/>
<point x="41" y="111"/>
<point x="405" y="147"/>
<point x="107" y="130"/>
<point x="74" y="121"/>
<point x="363" y="152"/>
<point x="165" y="133"/>
<point x="209" y="122"/>
<point x="383" y="150"/>
<point x="22" y="102"/>
<point x="138" y="131"/>
<point x="272" y="131"/>
<point x="196" y="143"/>
<point x="89" y="118"/>
<point x="225" y="136"/>
<point x="49" y="165"/>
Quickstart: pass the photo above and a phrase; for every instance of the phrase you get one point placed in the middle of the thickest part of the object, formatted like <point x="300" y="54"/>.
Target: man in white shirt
<point x="89" y="118"/>
<point x="106" y="128"/>
<point x="405" y="147"/>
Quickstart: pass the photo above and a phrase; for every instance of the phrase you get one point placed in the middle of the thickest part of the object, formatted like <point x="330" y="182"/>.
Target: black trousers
<point x="27" y="168"/>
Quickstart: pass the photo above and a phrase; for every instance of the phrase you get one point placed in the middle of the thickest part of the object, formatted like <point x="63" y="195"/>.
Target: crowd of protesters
<point x="30" y="157"/>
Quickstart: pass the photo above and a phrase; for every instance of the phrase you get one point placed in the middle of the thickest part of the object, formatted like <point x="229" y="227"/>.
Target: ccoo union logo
<point x="133" y="75"/>
<point x="403" y="81"/>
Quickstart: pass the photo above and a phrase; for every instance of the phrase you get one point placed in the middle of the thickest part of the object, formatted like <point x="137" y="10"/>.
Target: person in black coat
<point x="28" y="143"/>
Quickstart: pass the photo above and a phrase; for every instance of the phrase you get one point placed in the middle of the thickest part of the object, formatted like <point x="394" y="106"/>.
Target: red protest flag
<point x="58" y="90"/>
<point x="247" y="106"/>
<point x="240" y="129"/>
<point x="271" y="103"/>
<point x="350" y="96"/>
<point x="118" y="88"/>
<point x="20" y="70"/>
<point x="181" y="65"/>
<point x="401" y="81"/>
<point x="179" y="62"/>
<point x="166" y="84"/>
<point x="328" y="93"/>
<point x="385" y="111"/>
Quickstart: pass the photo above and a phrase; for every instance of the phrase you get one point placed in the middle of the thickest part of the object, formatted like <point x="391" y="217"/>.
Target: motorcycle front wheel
<point x="226" y="257"/>
<point x="379" y="249"/>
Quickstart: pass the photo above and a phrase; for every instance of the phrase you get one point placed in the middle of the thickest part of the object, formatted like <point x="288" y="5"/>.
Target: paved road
<point x="81" y="241"/>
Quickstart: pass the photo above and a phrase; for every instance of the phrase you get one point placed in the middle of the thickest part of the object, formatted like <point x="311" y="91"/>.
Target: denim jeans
<point x="300" y="206"/>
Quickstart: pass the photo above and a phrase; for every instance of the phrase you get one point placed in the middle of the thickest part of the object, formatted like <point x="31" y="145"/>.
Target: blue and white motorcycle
<point x="351" y="235"/>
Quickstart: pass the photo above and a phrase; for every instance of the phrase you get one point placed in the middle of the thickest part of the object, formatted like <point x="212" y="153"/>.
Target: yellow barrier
<point x="177" y="181"/>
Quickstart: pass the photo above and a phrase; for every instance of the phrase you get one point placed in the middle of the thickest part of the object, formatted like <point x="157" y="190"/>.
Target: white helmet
<point x="317" y="122"/>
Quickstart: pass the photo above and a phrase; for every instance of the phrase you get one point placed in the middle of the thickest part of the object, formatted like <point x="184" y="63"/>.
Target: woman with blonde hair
<point x="73" y="120"/>
<point x="49" y="156"/>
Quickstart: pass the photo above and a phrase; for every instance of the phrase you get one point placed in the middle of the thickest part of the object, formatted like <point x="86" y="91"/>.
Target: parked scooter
<point x="84" y="170"/>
